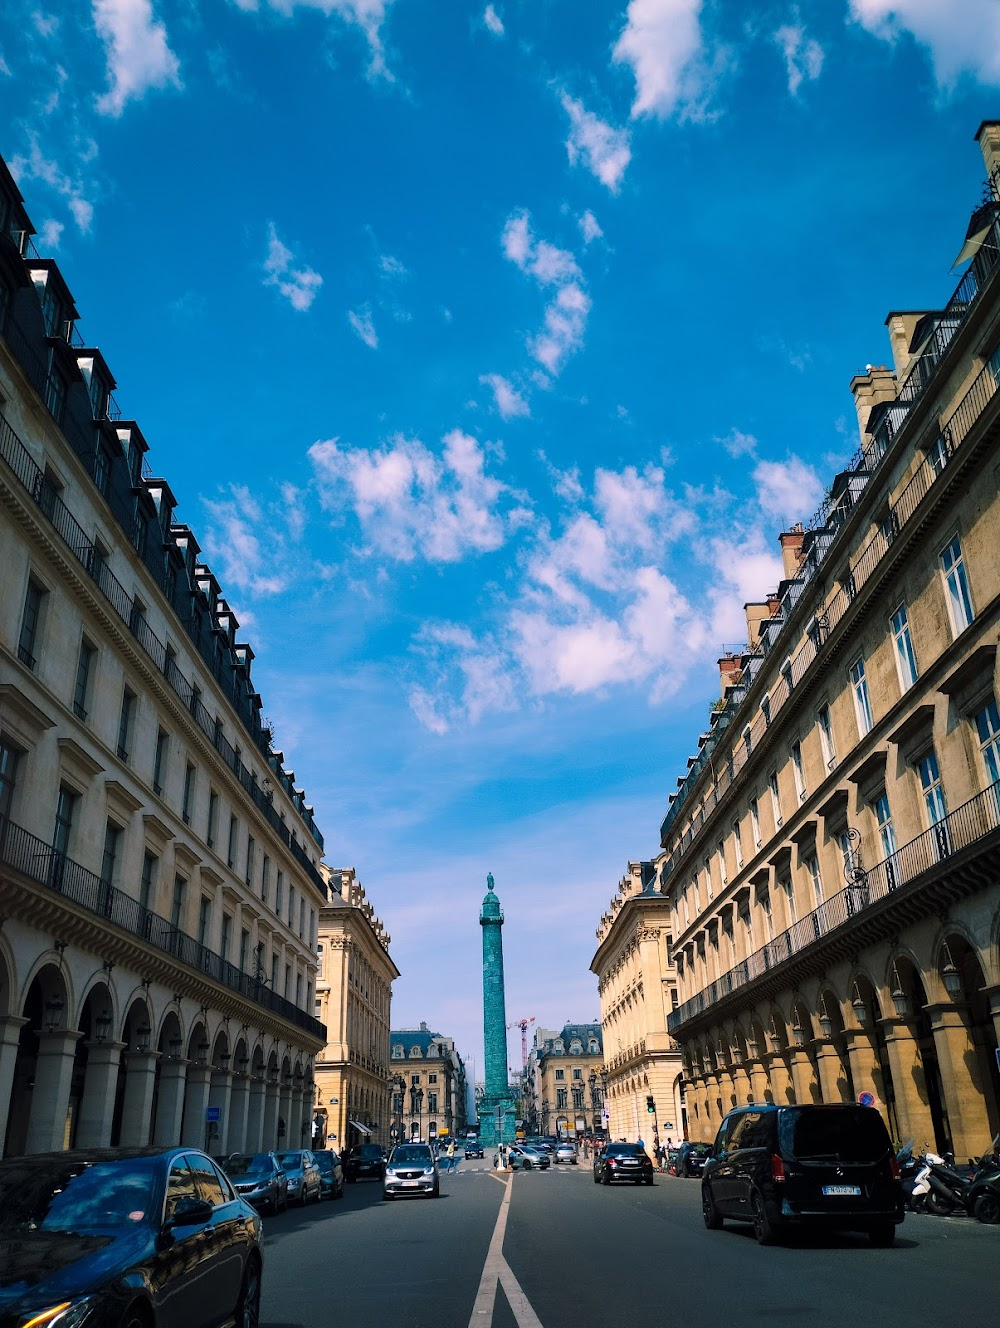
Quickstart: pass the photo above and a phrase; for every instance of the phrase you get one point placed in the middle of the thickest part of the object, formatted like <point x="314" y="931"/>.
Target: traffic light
<point x="650" y="1105"/>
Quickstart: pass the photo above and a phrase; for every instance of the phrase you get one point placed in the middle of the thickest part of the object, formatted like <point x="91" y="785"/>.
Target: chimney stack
<point x="756" y="614"/>
<point x="791" y="550"/>
<point x="988" y="138"/>
<point x="729" y="670"/>
<point x="875" y="385"/>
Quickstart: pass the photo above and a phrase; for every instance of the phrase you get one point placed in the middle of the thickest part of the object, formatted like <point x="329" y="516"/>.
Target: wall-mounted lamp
<point x="858" y="1006"/>
<point x="899" y="1000"/>
<point x="949" y="973"/>
<point x="142" y="1036"/>
<point x="54" y="1007"/>
<point x="175" y="1045"/>
<point x="825" y="1021"/>
<point x="102" y="1026"/>
<point x="798" y="1032"/>
<point x="202" y="1057"/>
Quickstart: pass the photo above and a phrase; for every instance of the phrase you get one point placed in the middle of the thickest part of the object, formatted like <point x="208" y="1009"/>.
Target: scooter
<point x="949" y="1188"/>
<point x="914" y="1174"/>
<point x="984" y="1192"/>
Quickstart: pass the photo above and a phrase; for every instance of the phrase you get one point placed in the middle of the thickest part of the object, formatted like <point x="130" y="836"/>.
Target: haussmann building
<point x="832" y="858"/>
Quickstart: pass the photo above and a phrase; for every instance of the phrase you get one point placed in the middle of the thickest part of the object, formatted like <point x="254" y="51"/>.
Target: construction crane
<point x="522" y="1024"/>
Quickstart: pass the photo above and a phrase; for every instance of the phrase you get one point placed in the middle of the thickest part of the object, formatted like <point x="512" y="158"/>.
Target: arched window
<point x="397" y="1050"/>
<point x="576" y="1048"/>
<point x="414" y="1053"/>
<point x="592" y="1047"/>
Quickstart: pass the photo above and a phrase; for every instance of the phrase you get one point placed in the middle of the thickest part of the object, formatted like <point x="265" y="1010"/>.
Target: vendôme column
<point x="496" y="1107"/>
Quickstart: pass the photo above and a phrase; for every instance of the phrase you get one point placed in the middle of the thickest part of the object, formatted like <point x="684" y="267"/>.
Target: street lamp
<point x="417" y="1094"/>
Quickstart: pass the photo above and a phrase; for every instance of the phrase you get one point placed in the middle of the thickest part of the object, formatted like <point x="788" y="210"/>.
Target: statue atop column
<point x="497" y="1108"/>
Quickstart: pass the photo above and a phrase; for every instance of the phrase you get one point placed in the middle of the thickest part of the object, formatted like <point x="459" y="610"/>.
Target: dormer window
<point x="55" y="393"/>
<point x="397" y="1051"/>
<point x="414" y="1053"/>
<point x="576" y="1048"/>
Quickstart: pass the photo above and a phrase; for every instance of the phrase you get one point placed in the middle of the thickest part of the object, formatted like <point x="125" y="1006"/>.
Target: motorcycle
<point x="984" y="1192"/>
<point x="913" y="1173"/>
<point x="975" y="1189"/>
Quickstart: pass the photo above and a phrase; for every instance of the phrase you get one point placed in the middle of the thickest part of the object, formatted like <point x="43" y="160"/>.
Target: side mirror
<point x="189" y="1212"/>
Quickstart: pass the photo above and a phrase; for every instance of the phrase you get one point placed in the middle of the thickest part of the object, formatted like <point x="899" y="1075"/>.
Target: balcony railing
<point x="41" y="863"/>
<point x="964" y="827"/>
<point x="33" y="479"/>
<point x="953" y="436"/>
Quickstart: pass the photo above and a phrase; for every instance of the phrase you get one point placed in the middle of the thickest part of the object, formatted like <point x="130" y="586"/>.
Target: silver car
<point x="302" y="1173"/>
<point x="565" y="1153"/>
<point x="411" y="1169"/>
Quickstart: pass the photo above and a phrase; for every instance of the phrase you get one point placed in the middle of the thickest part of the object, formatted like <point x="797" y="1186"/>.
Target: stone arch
<point x="198" y="1045"/>
<point x="8" y="978"/>
<point x="170" y="1039"/>
<point x="970" y="1048"/>
<point x="53" y="982"/>
<point x="136" y="1028"/>
<point x="221" y="1051"/>
<point x="44" y="1004"/>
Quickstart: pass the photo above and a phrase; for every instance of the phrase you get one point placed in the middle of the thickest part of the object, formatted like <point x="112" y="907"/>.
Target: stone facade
<point x="831" y="862"/>
<point x="159" y="882"/>
<point x="429" y="1088"/>
<point x="353" y="998"/>
<point x="565" y="1093"/>
<point x="637" y="985"/>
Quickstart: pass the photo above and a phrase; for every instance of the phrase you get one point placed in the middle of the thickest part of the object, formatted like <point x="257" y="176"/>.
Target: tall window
<point x="160" y="760"/>
<point x="84" y="666"/>
<point x="815" y="879"/>
<point x="938" y="456"/>
<point x="708" y="879"/>
<point x="231" y="850"/>
<point x="988" y="728"/>
<point x="125" y="724"/>
<point x="274" y="972"/>
<point x="204" y="919"/>
<point x="244" y="949"/>
<point x="826" y="743"/>
<point x="188" y="793"/>
<point x="213" y="818"/>
<point x="265" y="878"/>
<point x="288" y="980"/>
<point x="765" y="908"/>
<point x="177" y="903"/>
<point x="755" y="822"/>
<point x="930" y="784"/>
<point x="723" y="873"/>
<point x="772" y="784"/>
<point x="279" y="891"/>
<point x="227" y="935"/>
<point x="886" y="834"/>
<point x="797" y="771"/>
<point x="862" y="704"/>
<point x="65" y="809"/>
<point x="109" y="861"/>
<point x="10" y="759"/>
<point x="956" y="586"/>
<point x="291" y="904"/>
<point x="906" y="660"/>
<point x="737" y="846"/>
<point x="147" y="882"/>
<point x="251" y="857"/>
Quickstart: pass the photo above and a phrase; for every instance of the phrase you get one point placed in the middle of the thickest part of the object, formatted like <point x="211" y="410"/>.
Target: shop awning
<point x="358" y="1126"/>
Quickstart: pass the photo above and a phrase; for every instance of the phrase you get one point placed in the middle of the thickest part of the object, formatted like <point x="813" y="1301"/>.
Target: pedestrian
<point x="451" y="1155"/>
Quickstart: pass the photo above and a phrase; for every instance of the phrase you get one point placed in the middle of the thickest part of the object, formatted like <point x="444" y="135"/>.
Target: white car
<point x="565" y="1153"/>
<point x="411" y="1169"/>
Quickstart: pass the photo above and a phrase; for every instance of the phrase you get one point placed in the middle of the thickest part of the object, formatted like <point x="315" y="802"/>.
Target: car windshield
<point x="369" y="1151"/>
<point x="855" y="1134"/>
<point x="77" y="1196"/>
<point x="410" y="1153"/>
<point x="624" y="1150"/>
<point x="324" y="1161"/>
<point x="290" y="1161"/>
<point x="248" y="1168"/>
<point x="700" y="1150"/>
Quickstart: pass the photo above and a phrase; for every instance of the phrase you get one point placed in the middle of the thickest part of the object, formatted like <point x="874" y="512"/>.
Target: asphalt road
<point x="570" y="1254"/>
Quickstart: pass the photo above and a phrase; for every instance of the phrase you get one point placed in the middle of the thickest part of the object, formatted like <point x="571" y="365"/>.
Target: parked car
<point x="811" y="1165"/>
<point x="411" y="1169"/>
<point x="126" y="1236"/>
<point x="304" y="1182"/>
<point x="522" y="1158"/>
<point x="331" y="1174"/>
<point x="473" y="1148"/>
<point x="365" y="1160"/>
<point x="260" y="1179"/>
<point x="620" y="1161"/>
<point x="690" y="1159"/>
<point x="564" y="1153"/>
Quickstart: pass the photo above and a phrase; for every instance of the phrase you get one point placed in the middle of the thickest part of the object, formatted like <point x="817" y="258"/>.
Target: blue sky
<point x="488" y="348"/>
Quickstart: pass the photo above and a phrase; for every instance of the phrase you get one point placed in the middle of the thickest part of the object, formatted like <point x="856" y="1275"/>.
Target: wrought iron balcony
<point x="923" y="858"/>
<point x="41" y="863"/>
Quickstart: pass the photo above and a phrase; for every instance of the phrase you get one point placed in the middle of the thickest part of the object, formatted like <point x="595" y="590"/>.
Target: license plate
<point x="842" y="1189"/>
<point x="410" y="1184"/>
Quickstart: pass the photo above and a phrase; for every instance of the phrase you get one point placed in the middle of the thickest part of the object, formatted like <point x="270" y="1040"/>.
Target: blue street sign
<point x="213" y="1114"/>
<point x="866" y="1099"/>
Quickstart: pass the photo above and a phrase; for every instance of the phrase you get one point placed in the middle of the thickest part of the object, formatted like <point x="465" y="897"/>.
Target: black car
<point x="331" y="1174"/>
<point x="473" y="1148"/>
<point x="619" y="1161"/>
<point x="831" y="1165"/>
<point x="260" y="1179"/>
<point x="129" y="1236"/>
<point x="363" y="1160"/>
<point x="691" y="1158"/>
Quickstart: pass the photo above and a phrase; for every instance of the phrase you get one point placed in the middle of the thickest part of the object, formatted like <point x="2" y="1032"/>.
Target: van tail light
<point x="894" y="1163"/>
<point x="777" y="1169"/>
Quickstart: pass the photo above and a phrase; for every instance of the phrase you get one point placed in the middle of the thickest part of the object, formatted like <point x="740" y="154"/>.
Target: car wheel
<point x="605" y="1179"/>
<point x="135" y="1318"/>
<point x="987" y="1209"/>
<point x="711" y="1214"/>
<point x="762" y="1226"/>
<point x="525" y="1166"/>
<point x="436" y="1192"/>
<point x="597" y="1179"/>
<point x="649" y="1180"/>
<point x="883" y="1235"/>
<point x="339" y="1193"/>
<point x="248" y="1306"/>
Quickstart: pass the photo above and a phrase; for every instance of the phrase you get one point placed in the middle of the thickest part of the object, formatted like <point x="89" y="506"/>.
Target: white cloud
<point x="233" y="541"/>
<point x="45" y="24"/>
<point x="411" y="502"/>
<point x="961" y="39"/>
<point x="36" y="166"/>
<point x="738" y="444"/>
<point x="50" y="234"/>
<point x="789" y="490"/>
<point x="508" y="401"/>
<point x="803" y="55"/>
<point x="364" y="325"/>
<point x="493" y="21"/>
<point x="566" y="314"/>
<point x="604" y="149"/>
<point x="368" y="15"/>
<point x="299" y="285"/>
<point x="589" y="227"/>
<point x="662" y="41"/>
<point x="391" y="267"/>
<point x="137" y="52"/>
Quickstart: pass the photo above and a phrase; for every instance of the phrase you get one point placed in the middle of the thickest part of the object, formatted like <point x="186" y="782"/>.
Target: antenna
<point x="522" y="1024"/>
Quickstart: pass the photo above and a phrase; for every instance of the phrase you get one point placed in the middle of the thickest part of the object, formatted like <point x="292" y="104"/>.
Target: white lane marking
<point x="496" y="1270"/>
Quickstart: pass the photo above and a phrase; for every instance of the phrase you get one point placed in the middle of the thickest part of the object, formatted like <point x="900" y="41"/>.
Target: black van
<point x="826" y="1165"/>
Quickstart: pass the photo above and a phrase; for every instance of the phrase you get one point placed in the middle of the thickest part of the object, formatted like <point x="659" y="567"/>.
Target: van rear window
<point x="855" y="1134"/>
